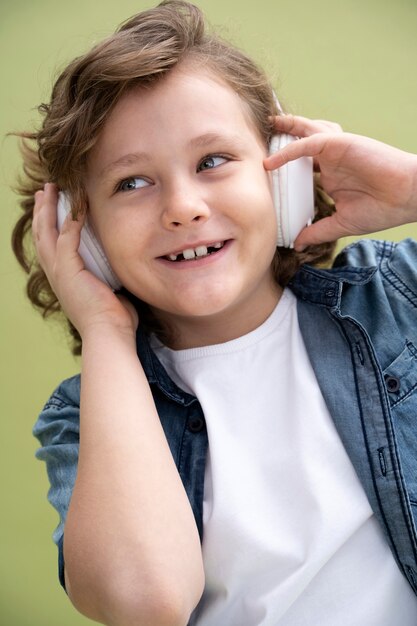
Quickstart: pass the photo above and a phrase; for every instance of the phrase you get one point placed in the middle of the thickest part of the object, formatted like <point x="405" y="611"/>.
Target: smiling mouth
<point x="190" y="254"/>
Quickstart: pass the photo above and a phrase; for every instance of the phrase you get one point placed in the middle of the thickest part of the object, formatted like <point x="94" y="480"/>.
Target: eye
<point x="129" y="184"/>
<point x="209" y="162"/>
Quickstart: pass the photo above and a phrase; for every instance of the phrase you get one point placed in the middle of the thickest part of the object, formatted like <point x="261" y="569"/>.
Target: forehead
<point x="193" y="98"/>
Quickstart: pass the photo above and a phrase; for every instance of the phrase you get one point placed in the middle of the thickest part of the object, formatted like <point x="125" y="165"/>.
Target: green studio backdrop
<point x="352" y="61"/>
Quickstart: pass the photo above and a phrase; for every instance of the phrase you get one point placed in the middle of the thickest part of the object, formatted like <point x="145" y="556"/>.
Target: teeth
<point x="201" y="251"/>
<point x="188" y="254"/>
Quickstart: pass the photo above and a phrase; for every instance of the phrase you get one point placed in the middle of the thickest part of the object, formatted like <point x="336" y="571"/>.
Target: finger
<point x="325" y="230"/>
<point x="308" y="146"/>
<point x="44" y="230"/>
<point x="68" y="240"/>
<point x="303" y="126"/>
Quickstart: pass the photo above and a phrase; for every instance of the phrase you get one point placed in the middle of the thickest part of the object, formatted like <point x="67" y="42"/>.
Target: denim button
<point x="392" y="383"/>
<point x="196" y="424"/>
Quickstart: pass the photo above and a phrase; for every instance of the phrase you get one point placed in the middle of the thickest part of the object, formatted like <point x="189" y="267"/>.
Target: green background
<point x="350" y="61"/>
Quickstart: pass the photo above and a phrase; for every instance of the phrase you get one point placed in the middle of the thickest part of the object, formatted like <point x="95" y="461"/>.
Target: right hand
<point x="87" y="301"/>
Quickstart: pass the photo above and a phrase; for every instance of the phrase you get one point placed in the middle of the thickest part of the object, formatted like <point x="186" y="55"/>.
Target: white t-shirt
<point x="289" y="536"/>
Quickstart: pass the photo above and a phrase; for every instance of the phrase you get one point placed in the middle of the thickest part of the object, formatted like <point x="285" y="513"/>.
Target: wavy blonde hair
<point x="141" y="52"/>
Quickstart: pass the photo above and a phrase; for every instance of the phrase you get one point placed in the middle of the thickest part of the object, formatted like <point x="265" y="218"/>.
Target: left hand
<point x="373" y="185"/>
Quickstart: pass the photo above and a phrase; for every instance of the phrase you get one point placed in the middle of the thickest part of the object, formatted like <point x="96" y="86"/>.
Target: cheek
<point x="256" y="183"/>
<point x="254" y="201"/>
<point x="263" y="216"/>
<point x="122" y="233"/>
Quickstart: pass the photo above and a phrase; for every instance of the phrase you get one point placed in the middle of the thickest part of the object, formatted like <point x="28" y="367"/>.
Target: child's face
<point x="179" y="167"/>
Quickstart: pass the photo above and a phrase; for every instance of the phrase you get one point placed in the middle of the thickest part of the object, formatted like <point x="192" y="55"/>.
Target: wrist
<point x="104" y="333"/>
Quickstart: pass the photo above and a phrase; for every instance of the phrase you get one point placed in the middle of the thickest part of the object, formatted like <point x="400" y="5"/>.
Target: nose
<point x="183" y="206"/>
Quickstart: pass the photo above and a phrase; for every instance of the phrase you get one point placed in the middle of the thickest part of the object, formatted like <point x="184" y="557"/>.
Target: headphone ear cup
<point x="293" y="193"/>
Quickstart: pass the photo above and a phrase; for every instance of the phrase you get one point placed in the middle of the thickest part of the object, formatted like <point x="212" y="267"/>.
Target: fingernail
<point x="299" y="247"/>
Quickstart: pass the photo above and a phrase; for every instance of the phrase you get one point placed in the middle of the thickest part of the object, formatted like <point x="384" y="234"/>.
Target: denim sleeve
<point x="57" y="429"/>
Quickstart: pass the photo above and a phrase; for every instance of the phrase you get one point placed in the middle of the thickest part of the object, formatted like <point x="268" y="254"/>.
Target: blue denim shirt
<point x="359" y="324"/>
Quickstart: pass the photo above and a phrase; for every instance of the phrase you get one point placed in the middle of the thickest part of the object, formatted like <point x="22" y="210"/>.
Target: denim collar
<point x="156" y="373"/>
<point x="324" y="286"/>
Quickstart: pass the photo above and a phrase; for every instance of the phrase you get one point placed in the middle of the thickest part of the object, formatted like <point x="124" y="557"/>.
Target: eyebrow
<point x="201" y="141"/>
<point x="213" y="137"/>
<point x="125" y="161"/>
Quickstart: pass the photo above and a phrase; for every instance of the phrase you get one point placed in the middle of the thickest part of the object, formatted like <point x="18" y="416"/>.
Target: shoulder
<point x="373" y="252"/>
<point x="59" y="418"/>
<point x="372" y="281"/>
<point x="386" y="303"/>
<point x="67" y="393"/>
<point x="395" y="265"/>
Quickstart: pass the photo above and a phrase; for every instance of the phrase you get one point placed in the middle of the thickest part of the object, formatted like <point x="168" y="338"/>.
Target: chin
<point x="203" y="306"/>
<point x="201" y="310"/>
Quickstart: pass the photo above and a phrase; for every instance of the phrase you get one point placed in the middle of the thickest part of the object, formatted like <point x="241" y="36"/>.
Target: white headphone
<point x="292" y="191"/>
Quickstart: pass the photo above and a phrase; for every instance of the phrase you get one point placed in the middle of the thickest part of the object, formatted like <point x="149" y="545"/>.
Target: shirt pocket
<point x="401" y="384"/>
<point x="401" y="376"/>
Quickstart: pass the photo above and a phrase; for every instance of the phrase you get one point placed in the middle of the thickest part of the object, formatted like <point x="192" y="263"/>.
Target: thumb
<point x="325" y="230"/>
